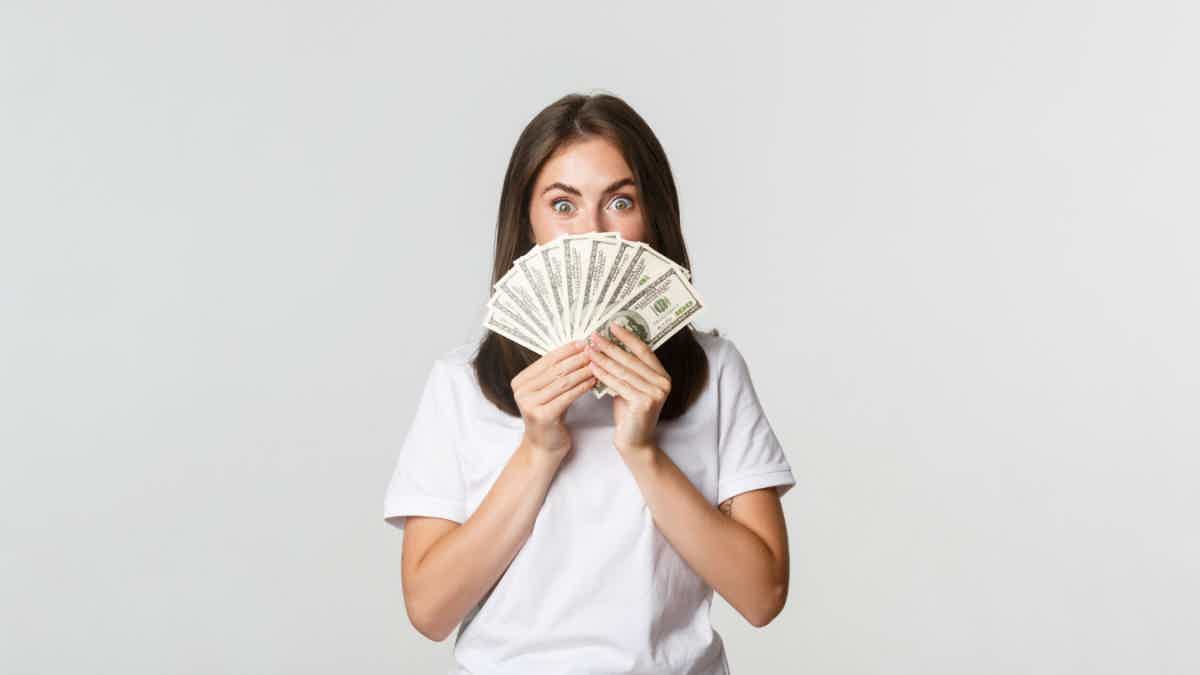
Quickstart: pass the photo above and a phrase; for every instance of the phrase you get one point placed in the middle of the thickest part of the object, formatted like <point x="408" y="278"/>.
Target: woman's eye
<point x="627" y="200"/>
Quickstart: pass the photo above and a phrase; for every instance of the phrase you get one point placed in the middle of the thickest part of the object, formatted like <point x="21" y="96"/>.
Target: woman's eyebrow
<point x="567" y="188"/>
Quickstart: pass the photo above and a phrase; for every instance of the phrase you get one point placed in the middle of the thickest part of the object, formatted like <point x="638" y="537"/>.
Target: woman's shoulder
<point x="725" y="360"/>
<point x="716" y="345"/>
<point x="454" y="364"/>
<point x="460" y="355"/>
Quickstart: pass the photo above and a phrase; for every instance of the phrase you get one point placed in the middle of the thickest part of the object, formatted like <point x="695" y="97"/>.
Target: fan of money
<point x="567" y="288"/>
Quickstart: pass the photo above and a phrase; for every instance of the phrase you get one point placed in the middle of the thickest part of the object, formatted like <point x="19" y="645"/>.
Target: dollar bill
<point x="550" y="257"/>
<point x="516" y="288"/>
<point x="511" y="314"/>
<point x="661" y="308"/>
<point x="610" y="278"/>
<point x="644" y="264"/>
<point x="533" y="270"/>
<point x="585" y="258"/>
<point x="572" y="254"/>
<point x="511" y="331"/>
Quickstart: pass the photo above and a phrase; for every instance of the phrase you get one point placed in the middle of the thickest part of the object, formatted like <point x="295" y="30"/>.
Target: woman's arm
<point x="742" y="553"/>
<point x="447" y="568"/>
<point x="743" y="557"/>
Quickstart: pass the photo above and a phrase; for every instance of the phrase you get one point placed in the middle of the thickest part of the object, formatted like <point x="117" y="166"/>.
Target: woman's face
<point x="585" y="186"/>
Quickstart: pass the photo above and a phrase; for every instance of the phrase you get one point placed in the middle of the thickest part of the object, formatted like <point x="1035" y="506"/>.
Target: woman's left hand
<point x="641" y="385"/>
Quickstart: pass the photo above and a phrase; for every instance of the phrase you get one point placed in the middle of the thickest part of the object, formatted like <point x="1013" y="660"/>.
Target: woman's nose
<point x="589" y="222"/>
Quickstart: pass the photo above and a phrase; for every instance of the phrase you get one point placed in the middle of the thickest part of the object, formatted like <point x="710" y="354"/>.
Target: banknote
<point x="504" y="309"/>
<point x="500" y="325"/>
<point x="641" y="265"/>
<point x="533" y="270"/>
<point x="585" y="258"/>
<point x="516" y="287"/>
<point x="658" y="310"/>
<point x="548" y="258"/>
<point x="610" y="277"/>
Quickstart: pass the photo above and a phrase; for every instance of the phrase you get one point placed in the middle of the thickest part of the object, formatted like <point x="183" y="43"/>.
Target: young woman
<point x="565" y="533"/>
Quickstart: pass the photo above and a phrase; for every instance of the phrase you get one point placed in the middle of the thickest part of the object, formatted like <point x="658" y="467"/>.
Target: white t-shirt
<point x="596" y="588"/>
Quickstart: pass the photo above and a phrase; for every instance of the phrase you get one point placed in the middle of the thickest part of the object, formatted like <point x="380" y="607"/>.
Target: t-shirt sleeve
<point x="428" y="480"/>
<point x="750" y="455"/>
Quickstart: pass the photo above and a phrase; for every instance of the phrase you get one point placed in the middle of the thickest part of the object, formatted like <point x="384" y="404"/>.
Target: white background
<point x="956" y="243"/>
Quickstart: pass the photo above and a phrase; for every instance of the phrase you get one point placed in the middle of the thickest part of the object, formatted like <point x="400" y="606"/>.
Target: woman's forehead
<point x="589" y="166"/>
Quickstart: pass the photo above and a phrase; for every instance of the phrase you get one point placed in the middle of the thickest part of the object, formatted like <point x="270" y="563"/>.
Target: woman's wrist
<point x="638" y="451"/>
<point x="540" y="453"/>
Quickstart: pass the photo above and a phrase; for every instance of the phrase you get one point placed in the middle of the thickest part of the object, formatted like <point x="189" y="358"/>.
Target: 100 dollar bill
<point x="658" y="310"/>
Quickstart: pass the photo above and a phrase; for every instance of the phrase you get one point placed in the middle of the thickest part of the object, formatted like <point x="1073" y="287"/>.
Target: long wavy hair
<point x="571" y="118"/>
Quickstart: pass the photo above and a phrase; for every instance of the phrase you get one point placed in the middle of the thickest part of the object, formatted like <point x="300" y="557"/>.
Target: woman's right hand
<point x="545" y="389"/>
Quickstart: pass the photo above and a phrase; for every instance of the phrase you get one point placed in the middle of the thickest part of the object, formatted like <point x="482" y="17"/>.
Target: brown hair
<point x="575" y="117"/>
